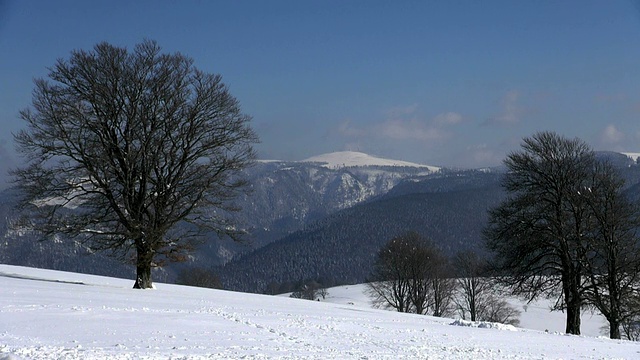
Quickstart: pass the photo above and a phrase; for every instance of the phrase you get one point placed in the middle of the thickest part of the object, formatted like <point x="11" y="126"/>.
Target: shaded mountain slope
<point x="341" y="247"/>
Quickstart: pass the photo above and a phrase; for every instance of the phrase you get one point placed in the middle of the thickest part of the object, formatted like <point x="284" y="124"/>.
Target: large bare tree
<point x="568" y="226"/>
<point x="122" y="146"/>
<point x="613" y="261"/>
<point x="538" y="233"/>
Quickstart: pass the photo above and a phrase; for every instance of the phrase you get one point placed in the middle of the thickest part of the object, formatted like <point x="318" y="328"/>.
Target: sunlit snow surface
<point x="56" y="315"/>
<point x="632" y="156"/>
<point x="353" y="158"/>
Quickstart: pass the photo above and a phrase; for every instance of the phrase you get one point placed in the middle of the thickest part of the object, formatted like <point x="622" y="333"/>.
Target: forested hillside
<point x="341" y="248"/>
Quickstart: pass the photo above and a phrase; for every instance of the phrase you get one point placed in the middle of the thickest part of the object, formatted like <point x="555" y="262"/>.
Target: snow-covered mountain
<point x="632" y="156"/>
<point x="293" y="193"/>
<point x="342" y="159"/>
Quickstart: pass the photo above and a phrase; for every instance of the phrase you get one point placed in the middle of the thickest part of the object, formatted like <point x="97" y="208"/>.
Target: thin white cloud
<point x="404" y="125"/>
<point x="510" y="111"/>
<point x="448" y="118"/>
<point x="484" y="155"/>
<point x="400" y="111"/>
<point x="346" y="129"/>
<point x="409" y="130"/>
<point x="611" y="135"/>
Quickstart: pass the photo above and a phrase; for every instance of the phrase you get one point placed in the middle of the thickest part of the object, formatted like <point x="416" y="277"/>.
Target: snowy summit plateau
<point x="342" y="159"/>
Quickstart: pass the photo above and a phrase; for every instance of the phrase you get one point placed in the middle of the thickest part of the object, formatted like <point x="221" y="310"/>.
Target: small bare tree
<point x="390" y="283"/>
<point x="474" y="288"/>
<point x="631" y="328"/>
<point x="410" y="275"/>
<point x="311" y="290"/>
<point x="498" y="310"/>
<point x="123" y="146"/>
<point x="442" y="285"/>
<point x="477" y="297"/>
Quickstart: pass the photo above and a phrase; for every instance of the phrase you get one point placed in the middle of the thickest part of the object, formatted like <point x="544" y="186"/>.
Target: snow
<point x="342" y="159"/>
<point x="47" y="314"/>
<point x="632" y="156"/>
<point x="483" y="325"/>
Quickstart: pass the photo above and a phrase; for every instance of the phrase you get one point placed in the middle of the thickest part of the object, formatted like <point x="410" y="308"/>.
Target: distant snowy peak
<point x="342" y="159"/>
<point x="632" y="156"/>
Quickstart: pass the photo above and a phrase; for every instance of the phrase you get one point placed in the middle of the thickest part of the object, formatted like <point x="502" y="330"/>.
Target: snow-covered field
<point x="55" y="315"/>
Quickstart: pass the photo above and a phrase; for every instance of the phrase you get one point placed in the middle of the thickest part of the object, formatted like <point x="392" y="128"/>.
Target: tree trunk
<point x="472" y="303"/>
<point x="614" y="329"/>
<point x="573" y="319"/>
<point x="143" y="267"/>
<point x="573" y="303"/>
<point x="615" y="300"/>
<point x="572" y="297"/>
<point x="614" y="313"/>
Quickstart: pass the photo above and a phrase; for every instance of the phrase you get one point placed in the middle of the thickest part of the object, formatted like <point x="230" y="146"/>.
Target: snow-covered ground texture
<point x="342" y="159"/>
<point x="55" y="315"/>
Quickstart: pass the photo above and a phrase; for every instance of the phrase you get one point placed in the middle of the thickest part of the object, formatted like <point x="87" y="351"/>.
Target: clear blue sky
<point x="453" y="83"/>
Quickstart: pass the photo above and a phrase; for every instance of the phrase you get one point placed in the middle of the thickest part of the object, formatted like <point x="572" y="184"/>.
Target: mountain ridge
<point x="341" y="159"/>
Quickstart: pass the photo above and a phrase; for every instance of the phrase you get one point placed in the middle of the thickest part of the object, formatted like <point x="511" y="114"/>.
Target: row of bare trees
<point x="565" y="230"/>
<point x="310" y="290"/>
<point x="412" y="275"/>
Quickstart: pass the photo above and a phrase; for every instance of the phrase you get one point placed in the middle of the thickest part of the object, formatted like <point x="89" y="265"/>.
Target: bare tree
<point x="410" y="275"/>
<point x="311" y="290"/>
<point x="631" y="325"/>
<point x="442" y="286"/>
<point x="498" y="310"/>
<point x="474" y="287"/>
<point x="423" y="264"/>
<point x="613" y="262"/>
<point x="390" y="281"/>
<point x="477" y="297"/>
<point x="568" y="225"/>
<point x="323" y="292"/>
<point x="538" y="233"/>
<point x="123" y="146"/>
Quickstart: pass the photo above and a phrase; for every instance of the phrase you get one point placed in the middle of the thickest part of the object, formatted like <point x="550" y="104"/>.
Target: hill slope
<point x="54" y="315"/>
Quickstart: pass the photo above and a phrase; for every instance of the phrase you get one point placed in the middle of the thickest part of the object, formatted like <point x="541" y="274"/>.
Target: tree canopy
<point x="411" y="275"/>
<point x="561" y="229"/>
<point x="122" y="146"/>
